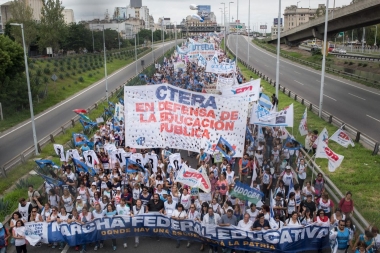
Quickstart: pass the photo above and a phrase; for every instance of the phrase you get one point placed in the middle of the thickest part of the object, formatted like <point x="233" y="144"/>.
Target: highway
<point x="19" y="138"/>
<point x="355" y="104"/>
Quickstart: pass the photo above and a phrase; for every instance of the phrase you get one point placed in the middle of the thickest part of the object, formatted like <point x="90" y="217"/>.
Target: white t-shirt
<point x="230" y="177"/>
<point x="302" y="171"/>
<point x="123" y="210"/>
<point x="185" y="201"/>
<point x="252" y="215"/>
<point x="98" y="215"/>
<point x="245" y="226"/>
<point x="169" y="208"/>
<point x="178" y="214"/>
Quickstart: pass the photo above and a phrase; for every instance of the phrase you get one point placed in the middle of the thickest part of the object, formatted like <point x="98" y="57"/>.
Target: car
<point x="335" y="50"/>
<point x="342" y="51"/>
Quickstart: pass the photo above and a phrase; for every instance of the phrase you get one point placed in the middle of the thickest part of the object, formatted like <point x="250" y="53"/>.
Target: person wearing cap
<point x="287" y="176"/>
<point x="4" y="236"/>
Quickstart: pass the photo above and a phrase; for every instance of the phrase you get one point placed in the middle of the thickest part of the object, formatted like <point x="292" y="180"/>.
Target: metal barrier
<point x="27" y="153"/>
<point x="334" y="192"/>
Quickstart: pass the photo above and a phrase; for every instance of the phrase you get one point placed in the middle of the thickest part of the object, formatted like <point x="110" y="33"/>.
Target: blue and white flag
<point x="248" y="135"/>
<point x="79" y="139"/>
<point x="225" y="148"/>
<point x="264" y="101"/>
<point x="132" y="166"/>
<point x="303" y="124"/>
<point x="81" y="166"/>
<point x="291" y="144"/>
<point x="43" y="163"/>
<point x="201" y="60"/>
<point x="291" y="188"/>
<point x="50" y="180"/>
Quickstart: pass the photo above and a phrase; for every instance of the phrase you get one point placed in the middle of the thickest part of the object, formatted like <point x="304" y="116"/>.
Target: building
<point x="274" y="30"/>
<point x="135" y="3"/>
<point x="127" y="29"/>
<point x="36" y="6"/>
<point x="237" y="27"/>
<point x="124" y="13"/>
<point x="5" y="15"/>
<point x="68" y="15"/>
<point x="294" y="16"/>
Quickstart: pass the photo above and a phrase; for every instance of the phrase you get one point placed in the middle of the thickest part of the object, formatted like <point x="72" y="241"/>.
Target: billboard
<point x="275" y="21"/>
<point x="120" y="13"/>
<point x="204" y="11"/>
<point x="263" y="27"/>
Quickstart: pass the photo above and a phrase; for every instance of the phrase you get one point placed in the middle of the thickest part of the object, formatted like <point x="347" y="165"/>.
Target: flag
<point x="175" y="161"/>
<point x="265" y="102"/>
<point x="50" y="180"/>
<point x="323" y="138"/>
<point x="72" y="153"/>
<point x="79" y="111"/>
<point x="193" y="178"/>
<point x="291" y="188"/>
<point x="254" y="173"/>
<point x="121" y="101"/>
<point x="133" y="166"/>
<point x="90" y="158"/>
<point x="79" y="139"/>
<point x="323" y="151"/>
<point x="84" y="117"/>
<point x="82" y="166"/>
<point x="43" y="163"/>
<point x="303" y="124"/>
<point x="59" y="150"/>
<point x="272" y="222"/>
<point x="248" y="135"/>
<point x="291" y="144"/>
<point x="284" y="133"/>
<point x="225" y="148"/>
<point x="342" y="138"/>
<point x="260" y="134"/>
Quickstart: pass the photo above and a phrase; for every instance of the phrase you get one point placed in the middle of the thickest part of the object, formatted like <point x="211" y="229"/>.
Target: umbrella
<point x="80" y="111"/>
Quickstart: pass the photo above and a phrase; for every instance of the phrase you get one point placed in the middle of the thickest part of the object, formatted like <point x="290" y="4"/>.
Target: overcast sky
<point x="178" y="9"/>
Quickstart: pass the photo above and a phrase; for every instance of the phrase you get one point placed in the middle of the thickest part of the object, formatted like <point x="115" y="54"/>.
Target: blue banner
<point x="82" y="166"/>
<point x="244" y="192"/>
<point x="288" y="240"/>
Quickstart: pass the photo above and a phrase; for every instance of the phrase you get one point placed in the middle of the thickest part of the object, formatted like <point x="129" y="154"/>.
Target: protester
<point x="211" y="218"/>
<point x="19" y="235"/>
<point x="261" y="223"/>
<point x="4" y="236"/>
<point x="346" y="204"/>
<point x="179" y="214"/>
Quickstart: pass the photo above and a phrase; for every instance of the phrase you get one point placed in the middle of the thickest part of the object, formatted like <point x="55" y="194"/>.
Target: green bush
<point x="360" y="64"/>
<point x="61" y="76"/>
<point x="31" y="65"/>
<point x="90" y="75"/>
<point x="68" y="67"/>
<point x="79" y="71"/>
<point x="56" y="64"/>
<point x="55" y="70"/>
<point x="350" y="63"/>
<point x="73" y="73"/>
<point x="67" y="74"/>
<point x="81" y="79"/>
<point x="47" y="71"/>
<point x="63" y="88"/>
<point x="23" y="183"/>
<point x="46" y="79"/>
<point x="47" y="65"/>
<point x="62" y="69"/>
<point x="365" y="64"/>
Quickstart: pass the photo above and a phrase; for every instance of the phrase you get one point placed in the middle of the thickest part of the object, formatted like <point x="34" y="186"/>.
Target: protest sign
<point x="286" y="239"/>
<point x="220" y="68"/>
<point x="251" y="89"/>
<point x="193" y="178"/>
<point x="342" y="138"/>
<point x="164" y="115"/>
<point x="244" y="192"/>
<point x="262" y="116"/>
<point x="205" y="197"/>
<point x="225" y="82"/>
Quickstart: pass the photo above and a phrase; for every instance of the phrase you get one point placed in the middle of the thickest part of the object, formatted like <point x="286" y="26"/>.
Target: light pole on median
<point x="278" y="48"/>
<point x="249" y="23"/>
<point x="136" y="54"/>
<point x="237" y="33"/>
<point x="152" y="48"/>
<point x="323" y="59"/>
<point x="224" y="22"/>
<point x="229" y="16"/>
<point x="105" y="62"/>
<point x="29" y="91"/>
<point x="375" y="35"/>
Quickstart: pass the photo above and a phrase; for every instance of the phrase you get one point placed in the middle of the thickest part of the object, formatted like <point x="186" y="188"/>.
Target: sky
<point x="262" y="11"/>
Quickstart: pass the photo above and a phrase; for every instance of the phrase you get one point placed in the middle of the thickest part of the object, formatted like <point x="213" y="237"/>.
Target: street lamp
<point x="29" y="92"/>
<point x="105" y="62"/>
<point x="323" y="60"/>
<point x="278" y="48"/>
<point x="237" y="33"/>
<point x="118" y="35"/>
<point x="296" y="14"/>
<point x="375" y="35"/>
<point x="249" y="23"/>
<point x="229" y="16"/>
<point x="136" y="54"/>
<point x="152" y="48"/>
<point x="224" y="22"/>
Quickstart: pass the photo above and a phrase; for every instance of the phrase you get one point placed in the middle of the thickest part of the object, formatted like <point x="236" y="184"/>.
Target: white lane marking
<point x="297" y="72"/>
<point x="373" y="118"/>
<point x="356" y="96"/>
<point x="329" y="97"/>
<point x="298" y="82"/>
<point x="68" y="100"/>
<point x="318" y="73"/>
<point x="65" y="249"/>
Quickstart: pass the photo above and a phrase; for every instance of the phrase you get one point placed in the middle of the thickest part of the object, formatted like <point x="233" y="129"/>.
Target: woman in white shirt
<point x="230" y="175"/>
<point x="179" y="214"/>
<point x="308" y="189"/>
<point x="175" y="193"/>
<point x="185" y="199"/>
<point x="215" y="206"/>
<point x="301" y="172"/>
<point x="137" y="210"/>
<point x="19" y="235"/>
<point x="293" y="220"/>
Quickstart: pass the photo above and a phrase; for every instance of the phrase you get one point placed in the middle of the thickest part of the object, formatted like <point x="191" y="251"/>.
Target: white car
<point x="342" y="51"/>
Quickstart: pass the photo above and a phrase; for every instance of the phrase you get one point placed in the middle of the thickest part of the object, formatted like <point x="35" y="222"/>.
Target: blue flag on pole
<point x="82" y="166"/>
<point x="265" y="102"/>
<point x="79" y="139"/>
<point x="43" y="163"/>
<point x="271" y="205"/>
<point x="248" y="135"/>
<point x="132" y="166"/>
<point x="225" y="148"/>
<point x="50" y="180"/>
<point x="291" y="144"/>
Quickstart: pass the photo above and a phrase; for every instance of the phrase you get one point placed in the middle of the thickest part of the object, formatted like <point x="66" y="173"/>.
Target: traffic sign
<point x="239" y="26"/>
<point x="54" y="77"/>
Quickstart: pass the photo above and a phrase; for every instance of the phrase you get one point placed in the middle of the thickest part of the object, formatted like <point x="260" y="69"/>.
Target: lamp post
<point x="229" y="16"/>
<point x="175" y="33"/>
<point x="224" y="21"/>
<point x="29" y="91"/>
<point x="323" y="59"/>
<point x="296" y="14"/>
<point x="249" y="23"/>
<point x="118" y="35"/>
<point x="375" y="35"/>
<point x="152" y="48"/>
<point x="105" y="62"/>
<point x="278" y="48"/>
<point x="237" y="18"/>
<point x="136" y="54"/>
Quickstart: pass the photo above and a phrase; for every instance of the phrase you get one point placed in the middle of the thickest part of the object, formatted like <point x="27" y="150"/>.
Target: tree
<point x="22" y="13"/>
<point x="77" y="37"/>
<point x="52" y="25"/>
<point x="12" y="58"/>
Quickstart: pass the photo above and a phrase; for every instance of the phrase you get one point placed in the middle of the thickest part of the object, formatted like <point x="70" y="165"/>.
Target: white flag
<point x="72" y="153"/>
<point x="90" y="158"/>
<point x="323" y="137"/>
<point x="303" y="124"/>
<point x="193" y="178"/>
<point x="175" y="161"/>
<point x="323" y="151"/>
<point x="342" y="138"/>
<point x="60" y="152"/>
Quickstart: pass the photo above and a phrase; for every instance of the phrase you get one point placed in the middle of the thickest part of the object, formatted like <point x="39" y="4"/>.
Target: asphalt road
<point x="355" y="104"/>
<point x="19" y="138"/>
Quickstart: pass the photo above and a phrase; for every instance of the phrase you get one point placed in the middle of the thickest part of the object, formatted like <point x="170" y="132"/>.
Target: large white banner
<point x="225" y="82"/>
<point x="220" y="68"/>
<point x="193" y="49"/>
<point x="262" y="116"/>
<point x="164" y="115"/>
<point x="251" y="89"/>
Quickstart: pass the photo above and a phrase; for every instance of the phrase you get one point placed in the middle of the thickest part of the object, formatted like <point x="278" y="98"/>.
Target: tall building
<point x="135" y="3"/>
<point x="36" y="6"/>
<point x="294" y="16"/>
<point x="141" y="12"/>
<point x="68" y="15"/>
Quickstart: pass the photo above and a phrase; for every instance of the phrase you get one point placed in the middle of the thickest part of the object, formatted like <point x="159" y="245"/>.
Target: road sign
<point x="54" y="77"/>
<point x="239" y="26"/>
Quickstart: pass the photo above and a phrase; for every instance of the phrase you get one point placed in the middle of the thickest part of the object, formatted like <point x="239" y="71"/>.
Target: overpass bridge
<point x="360" y="14"/>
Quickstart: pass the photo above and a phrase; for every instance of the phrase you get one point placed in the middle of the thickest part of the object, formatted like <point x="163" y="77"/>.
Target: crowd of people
<point x="82" y="198"/>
